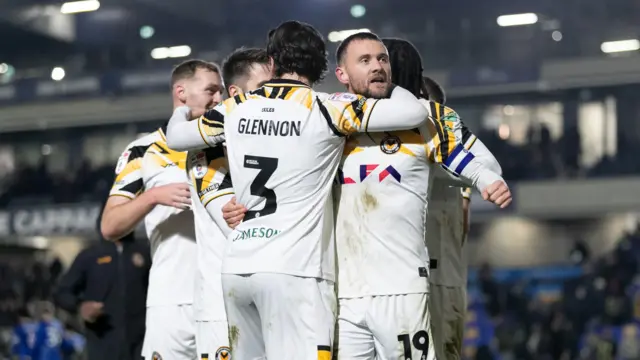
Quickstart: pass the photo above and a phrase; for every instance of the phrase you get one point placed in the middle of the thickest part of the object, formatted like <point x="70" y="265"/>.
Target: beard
<point x="364" y="88"/>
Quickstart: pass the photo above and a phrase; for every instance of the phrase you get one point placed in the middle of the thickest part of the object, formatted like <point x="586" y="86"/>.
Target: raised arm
<point x="351" y="113"/>
<point x="184" y="134"/>
<point x="484" y="155"/>
<point x="446" y="146"/>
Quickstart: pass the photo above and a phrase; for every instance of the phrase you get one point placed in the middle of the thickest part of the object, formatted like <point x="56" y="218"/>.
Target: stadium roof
<point x="453" y="32"/>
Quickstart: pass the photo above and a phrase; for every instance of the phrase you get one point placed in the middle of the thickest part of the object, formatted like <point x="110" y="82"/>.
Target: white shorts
<point x="170" y="333"/>
<point x="279" y="316"/>
<point x="448" y="307"/>
<point x="387" y="327"/>
<point x="212" y="340"/>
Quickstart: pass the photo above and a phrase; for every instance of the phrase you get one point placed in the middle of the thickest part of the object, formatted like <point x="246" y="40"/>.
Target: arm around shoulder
<point x="184" y="134"/>
<point x="402" y="111"/>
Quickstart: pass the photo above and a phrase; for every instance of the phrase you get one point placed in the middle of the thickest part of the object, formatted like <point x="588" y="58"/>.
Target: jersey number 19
<point x="267" y="167"/>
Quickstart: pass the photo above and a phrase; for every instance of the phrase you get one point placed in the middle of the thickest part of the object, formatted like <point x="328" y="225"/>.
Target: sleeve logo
<point x="200" y="165"/>
<point x="344" y="97"/>
<point x="122" y="161"/>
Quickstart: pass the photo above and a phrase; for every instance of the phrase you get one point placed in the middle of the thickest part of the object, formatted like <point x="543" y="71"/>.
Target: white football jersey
<point x="284" y="143"/>
<point x="380" y="215"/>
<point x="147" y="163"/>
<point x="382" y="203"/>
<point x="208" y="179"/>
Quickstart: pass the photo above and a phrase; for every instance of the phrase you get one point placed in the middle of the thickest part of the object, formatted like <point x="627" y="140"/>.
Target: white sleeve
<point x="212" y="182"/>
<point x="402" y="111"/>
<point x="476" y="174"/>
<point x="206" y="131"/>
<point x="214" y="208"/>
<point x="484" y="155"/>
<point x="350" y="113"/>
<point x="481" y="154"/>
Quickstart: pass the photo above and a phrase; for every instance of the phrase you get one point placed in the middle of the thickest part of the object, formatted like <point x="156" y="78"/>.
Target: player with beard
<point x="384" y="185"/>
<point x="284" y="144"/>
<point x="151" y="185"/>
<point x="382" y="198"/>
<point x="448" y="218"/>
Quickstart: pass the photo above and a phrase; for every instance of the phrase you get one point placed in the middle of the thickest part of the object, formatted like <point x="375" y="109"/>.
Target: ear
<point x="234" y="90"/>
<point x="342" y="75"/>
<point x="180" y="92"/>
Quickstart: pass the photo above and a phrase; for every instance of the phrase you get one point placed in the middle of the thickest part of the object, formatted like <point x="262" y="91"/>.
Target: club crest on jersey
<point x="223" y="353"/>
<point x="156" y="356"/>
<point x="346" y="97"/>
<point x="390" y="144"/>
<point x="199" y="165"/>
<point x="122" y="161"/>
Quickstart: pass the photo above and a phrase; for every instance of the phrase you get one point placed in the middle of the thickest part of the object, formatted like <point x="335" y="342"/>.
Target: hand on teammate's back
<point x="233" y="213"/>
<point x="498" y="193"/>
<point x="176" y="195"/>
<point x="91" y="310"/>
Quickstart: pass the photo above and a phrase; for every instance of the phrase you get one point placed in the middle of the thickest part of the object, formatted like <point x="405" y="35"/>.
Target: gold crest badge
<point x="223" y="353"/>
<point x="390" y="144"/>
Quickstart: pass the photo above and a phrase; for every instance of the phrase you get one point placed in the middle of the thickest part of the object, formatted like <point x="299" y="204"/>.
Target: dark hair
<point x="298" y="48"/>
<point x="187" y="69"/>
<point x="406" y="65"/>
<point x="342" y="48"/>
<point x="240" y="62"/>
<point x="435" y="92"/>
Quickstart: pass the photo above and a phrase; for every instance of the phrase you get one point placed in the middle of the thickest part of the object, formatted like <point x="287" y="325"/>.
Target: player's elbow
<point x="108" y="228"/>
<point x="108" y="232"/>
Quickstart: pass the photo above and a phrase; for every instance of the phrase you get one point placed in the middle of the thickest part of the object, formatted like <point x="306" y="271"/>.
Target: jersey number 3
<point x="267" y="167"/>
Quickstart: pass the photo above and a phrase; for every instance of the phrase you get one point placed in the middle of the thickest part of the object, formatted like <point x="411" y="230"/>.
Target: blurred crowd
<point x="540" y="158"/>
<point x="543" y="158"/>
<point x="26" y="288"/>
<point x="38" y="185"/>
<point x="595" y="317"/>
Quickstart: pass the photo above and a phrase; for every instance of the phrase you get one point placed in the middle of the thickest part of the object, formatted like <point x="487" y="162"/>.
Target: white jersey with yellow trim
<point x="384" y="193"/>
<point x="147" y="163"/>
<point x="209" y="180"/>
<point x="284" y="143"/>
<point x="380" y="214"/>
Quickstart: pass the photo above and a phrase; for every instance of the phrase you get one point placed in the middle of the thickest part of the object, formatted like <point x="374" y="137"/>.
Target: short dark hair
<point x="342" y="48"/>
<point x="187" y="69"/>
<point x="240" y="62"/>
<point x="296" y="47"/>
<point x="435" y="92"/>
<point x="406" y="65"/>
